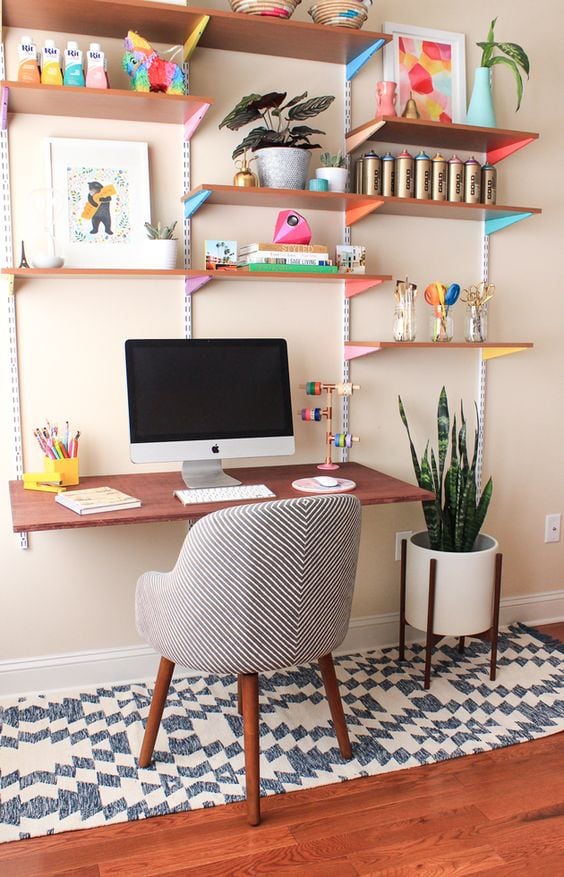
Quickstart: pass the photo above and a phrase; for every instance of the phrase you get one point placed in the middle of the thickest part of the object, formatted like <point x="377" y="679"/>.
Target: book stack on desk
<point x="96" y="500"/>
<point x="285" y="257"/>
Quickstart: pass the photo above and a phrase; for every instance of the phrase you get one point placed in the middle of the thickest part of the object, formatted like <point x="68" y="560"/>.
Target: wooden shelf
<point x="490" y="349"/>
<point x="166" y="23"/>
<point x="493" y="142"/>
<point x="101" y="103"/>
<point x="354" y="206"/>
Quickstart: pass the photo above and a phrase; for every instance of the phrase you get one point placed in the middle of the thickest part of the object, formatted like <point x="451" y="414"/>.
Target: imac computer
<point x="198" y="401"/>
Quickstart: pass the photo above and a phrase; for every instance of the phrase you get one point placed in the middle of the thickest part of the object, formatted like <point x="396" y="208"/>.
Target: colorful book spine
<point x="298" y="269"/>
<point x="283" y="248"/>
<point x="285" y="258"/>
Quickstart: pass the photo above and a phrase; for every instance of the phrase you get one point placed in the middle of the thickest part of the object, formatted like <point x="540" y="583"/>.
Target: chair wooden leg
<point x="239" y="696"/>
<point x="166" y="669"/>
<point x="401" y="651"/>
<point x="460" y="645"/>
<point x="495" y="624"/>
<point x="249" y="695"/>
<point x="430" y="617"/>
<point x="327" y="668"/>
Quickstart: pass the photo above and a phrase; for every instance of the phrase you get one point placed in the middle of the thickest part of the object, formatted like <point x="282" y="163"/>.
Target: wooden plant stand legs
<point x="327" y="668"/>
<point x="431" y="639"/>
<point x="250" y="701"/>
<point x="164" y="675"/>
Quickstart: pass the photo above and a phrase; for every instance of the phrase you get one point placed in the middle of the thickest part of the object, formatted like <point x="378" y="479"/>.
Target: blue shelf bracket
<point x="499" y="223"/>
<point x="194" y="202"/>
<point x="358" y="63"/>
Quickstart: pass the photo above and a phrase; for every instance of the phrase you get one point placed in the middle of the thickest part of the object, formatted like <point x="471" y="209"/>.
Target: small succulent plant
<point x="328" y="160"/>
<point x="160" y="232"/>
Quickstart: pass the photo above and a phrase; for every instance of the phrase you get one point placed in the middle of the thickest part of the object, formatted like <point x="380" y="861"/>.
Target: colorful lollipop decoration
<point x="441" y="298"/>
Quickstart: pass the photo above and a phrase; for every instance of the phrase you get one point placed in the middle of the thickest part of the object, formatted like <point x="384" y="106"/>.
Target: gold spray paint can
<point x="440" y="178"/>
<point x="423" y="176"/>
<point x="405" y="176"/>
<point x="472" y="174"/>
<point x="388" y="174"/>
<point x="489" y="184"/>
<point x="455" y="179"/>
<point x="359" y="175"/>
<point x="372" y="174"/>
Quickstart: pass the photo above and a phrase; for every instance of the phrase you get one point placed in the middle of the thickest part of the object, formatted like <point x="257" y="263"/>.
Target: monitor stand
<point x="206" y="473"/>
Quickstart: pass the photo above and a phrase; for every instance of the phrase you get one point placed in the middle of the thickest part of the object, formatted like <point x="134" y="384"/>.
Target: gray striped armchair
<point x="256" y="587"/>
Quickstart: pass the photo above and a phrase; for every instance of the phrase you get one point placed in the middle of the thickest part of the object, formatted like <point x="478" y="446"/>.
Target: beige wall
<point x="74" y="591"/>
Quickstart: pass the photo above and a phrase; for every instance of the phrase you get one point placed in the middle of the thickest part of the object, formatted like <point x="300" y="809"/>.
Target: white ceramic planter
<point x="335" y="176"/>
<point x="464" y="592"/>
<point x="160" y="254"/>
<point x="283" y="167"/>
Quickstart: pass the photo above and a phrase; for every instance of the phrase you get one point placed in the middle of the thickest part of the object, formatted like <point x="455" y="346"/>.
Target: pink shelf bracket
<point x="194" y="283"/>
<point x="194" y="119"/>
<point x="354" y="286"/>
<point x="353" y="352"/>
<point x="495" y="155"/>
<point x="4" y="109"/>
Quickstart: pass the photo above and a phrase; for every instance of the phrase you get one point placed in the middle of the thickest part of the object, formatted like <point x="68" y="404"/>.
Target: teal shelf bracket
<point x="497" y="224"/>
<point x="194" y="202"/>
<point x="358" y="63"/>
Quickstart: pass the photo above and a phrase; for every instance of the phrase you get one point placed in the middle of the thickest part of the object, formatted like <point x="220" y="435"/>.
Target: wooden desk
<point x="33" y="510"/>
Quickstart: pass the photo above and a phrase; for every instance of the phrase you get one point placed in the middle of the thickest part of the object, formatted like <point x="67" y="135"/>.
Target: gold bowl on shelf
<point x="273" y="8"/>
<point x="339" y="13"/>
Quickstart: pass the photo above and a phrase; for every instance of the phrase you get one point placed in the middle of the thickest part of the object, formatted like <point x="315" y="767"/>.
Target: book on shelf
<point x="282" y="248"/>
<point x="95" y="500"/>
<point x="306" y="269"/>
<point x="273" y="258"/>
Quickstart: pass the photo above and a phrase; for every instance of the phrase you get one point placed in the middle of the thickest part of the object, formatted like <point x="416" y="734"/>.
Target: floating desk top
<point x="33" y="511"/>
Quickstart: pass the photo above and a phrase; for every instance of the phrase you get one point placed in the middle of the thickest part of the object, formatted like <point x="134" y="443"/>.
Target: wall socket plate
<point x="552" y="528"/>
<point x="403" y="534"/>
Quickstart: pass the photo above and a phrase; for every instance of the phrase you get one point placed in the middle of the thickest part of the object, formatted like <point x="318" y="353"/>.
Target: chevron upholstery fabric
<point x="256" y="587"/>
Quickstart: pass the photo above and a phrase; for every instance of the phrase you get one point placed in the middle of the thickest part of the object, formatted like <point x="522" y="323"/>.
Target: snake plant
<point x="455" y="517"/>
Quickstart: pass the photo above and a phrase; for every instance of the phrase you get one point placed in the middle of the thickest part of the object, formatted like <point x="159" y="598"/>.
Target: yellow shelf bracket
<point x="9" y="284"/>
<point x="193" y="38"/>
<point x="495" y="352"/>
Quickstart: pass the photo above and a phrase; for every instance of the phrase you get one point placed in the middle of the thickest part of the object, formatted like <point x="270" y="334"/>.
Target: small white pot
<point x="464" y="591"/>
<point x="160" y="254"/>
<point x="335" y="176"/>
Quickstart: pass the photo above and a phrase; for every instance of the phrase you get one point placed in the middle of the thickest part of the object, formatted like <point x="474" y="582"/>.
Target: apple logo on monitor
<point x="215" y="449"/>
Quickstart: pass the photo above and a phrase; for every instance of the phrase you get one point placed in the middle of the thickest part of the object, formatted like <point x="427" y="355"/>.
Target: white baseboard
<point x="111" y="666"/>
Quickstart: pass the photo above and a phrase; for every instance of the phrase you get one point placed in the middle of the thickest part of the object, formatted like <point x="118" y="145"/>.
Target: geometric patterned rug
<point x="69" y="760"/>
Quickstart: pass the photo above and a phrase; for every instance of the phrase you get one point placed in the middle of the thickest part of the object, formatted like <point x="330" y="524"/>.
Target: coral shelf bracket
<point x="356" y="286"/>
<point x="495" y="155"/>
<point x="358" y="63"/>
<point x="361" y="135"/>
<point x="195" y="201"/>
<point x="501" y="222"/>
<point x="360" y="208"/>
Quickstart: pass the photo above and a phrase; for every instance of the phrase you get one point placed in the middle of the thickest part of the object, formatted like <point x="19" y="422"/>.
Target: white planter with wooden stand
<point x="449" y="593"/>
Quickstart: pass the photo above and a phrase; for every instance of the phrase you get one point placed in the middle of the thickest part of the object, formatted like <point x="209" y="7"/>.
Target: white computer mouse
<point x="326" y="481"/>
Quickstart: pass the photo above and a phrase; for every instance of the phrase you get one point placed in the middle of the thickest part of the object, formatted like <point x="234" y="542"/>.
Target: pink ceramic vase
<point x="386" y="99"/>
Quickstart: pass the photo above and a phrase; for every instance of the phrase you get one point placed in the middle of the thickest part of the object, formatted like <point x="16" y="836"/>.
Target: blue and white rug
<point x="69" y="761"/>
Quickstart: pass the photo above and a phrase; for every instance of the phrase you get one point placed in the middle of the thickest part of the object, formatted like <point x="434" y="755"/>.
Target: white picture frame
<point x="113" y="235"/>
<point x="406" y="56"/>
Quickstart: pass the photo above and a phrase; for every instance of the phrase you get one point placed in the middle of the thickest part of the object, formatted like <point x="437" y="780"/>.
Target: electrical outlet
<point x="403" y="534"/>
<point x="552" y="528"/>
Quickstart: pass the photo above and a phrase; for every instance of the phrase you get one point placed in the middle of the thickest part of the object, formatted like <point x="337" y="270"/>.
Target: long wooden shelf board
<point x="240" y="196"/>
<point x="495" y="143"/>
<point x="489" y="349"/>
<point x="167" y="23"/>
<point x="100" y="103"/>
<point x="94" y="272"/>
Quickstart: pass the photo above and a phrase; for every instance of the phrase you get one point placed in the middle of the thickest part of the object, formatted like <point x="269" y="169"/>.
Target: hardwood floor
<point x="497" y="813"/>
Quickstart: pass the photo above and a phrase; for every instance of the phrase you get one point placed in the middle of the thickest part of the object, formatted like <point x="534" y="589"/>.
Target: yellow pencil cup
<point x="67" y="469"/>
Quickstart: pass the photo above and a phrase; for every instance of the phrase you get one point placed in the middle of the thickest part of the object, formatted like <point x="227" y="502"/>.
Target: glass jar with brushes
<point x="404" y="312"/>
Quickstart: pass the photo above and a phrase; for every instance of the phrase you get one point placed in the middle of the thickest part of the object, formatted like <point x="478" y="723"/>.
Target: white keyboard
<point x="223" y="494"/>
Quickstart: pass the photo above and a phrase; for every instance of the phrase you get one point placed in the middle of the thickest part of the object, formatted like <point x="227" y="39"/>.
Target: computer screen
<point x="199" y="401"/>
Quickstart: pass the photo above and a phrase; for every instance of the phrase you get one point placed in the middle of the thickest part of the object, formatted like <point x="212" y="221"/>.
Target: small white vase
<point x="160" y="254"/>
<point x="335" y="176"/>
<point x="464" y="586"/>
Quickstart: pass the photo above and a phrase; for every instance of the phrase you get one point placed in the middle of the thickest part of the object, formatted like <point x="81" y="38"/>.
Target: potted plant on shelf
<point x="161" y="252"/>
<point x="481" y="109"/>
<point x="334" y="170"/>
<point x="282" y="147"/>
<point x="465" y="557"/>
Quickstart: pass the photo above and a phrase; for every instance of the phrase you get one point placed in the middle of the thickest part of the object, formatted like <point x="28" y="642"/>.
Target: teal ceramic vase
<point x="481" y="109"/>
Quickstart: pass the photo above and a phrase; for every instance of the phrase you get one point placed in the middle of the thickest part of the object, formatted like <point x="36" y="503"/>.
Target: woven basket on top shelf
<point x="273" y="8"/>
<point x="340" y="13"/>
